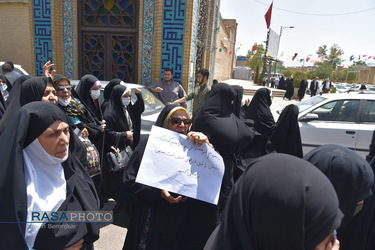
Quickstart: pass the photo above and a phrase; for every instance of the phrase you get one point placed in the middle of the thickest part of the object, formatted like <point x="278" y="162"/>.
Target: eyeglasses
<point x="176" y="121"/>
<point x="61" y="88"/>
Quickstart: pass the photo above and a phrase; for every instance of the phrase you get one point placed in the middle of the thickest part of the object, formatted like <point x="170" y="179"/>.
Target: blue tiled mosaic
<point x="173" y="31"/>
<point x="42" y="34"/>
<point x="147" y="41"/>
<point x="68" y="38"/>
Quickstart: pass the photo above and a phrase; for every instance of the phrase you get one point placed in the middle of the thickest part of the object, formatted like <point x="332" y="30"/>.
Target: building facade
<point x="225" y="49"/>
<point x="127" y="39"/>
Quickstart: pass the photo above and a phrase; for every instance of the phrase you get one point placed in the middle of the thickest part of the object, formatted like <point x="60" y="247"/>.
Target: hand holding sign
<point x="173" y="163"/>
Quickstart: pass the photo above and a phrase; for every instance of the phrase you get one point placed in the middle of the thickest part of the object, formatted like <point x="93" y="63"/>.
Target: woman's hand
<point x="84" y="133"/>
<point x="129" y="135"/>
<point x="76" y="246"/>
<point x="137" y="91"/>
<point x="46" y="67"/>
<point x="168" y="197"/>
<point x="198" y="138"/>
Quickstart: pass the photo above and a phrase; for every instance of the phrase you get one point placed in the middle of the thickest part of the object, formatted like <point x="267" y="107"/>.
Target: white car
<point x="344" y="119"/>
<point x="18" y="68"/>
<point x="153" y="106"/>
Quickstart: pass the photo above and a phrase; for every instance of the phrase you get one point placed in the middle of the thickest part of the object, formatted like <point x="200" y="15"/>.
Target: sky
<point x="348" y="23"/>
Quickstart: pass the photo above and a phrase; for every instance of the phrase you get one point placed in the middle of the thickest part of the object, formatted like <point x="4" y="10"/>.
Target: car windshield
<point x="152" y="104"/>
<point x="309" y="102"/>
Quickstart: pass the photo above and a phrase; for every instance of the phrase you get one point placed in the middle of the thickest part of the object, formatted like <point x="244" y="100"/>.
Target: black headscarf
<point x="107" y="92"/>
<point x="216" y="119"/>
<point x="280" y="202"/>
<point x="259" y="111"/>
<point x="29" y="123"/>
<point x="19" y="81"/>
<point x="5" y="79"/>
<point x="83" y="94"/>
<point x="30" y="91"/>
<point x="238" y="99"/>
<point x="115" y="117"/>
<point x="287" y="138"/>
<point x="167" y="112"/>
<point x="351" y="176"/>
<point x="3" y="104"/>
<point x="302" y="89"/>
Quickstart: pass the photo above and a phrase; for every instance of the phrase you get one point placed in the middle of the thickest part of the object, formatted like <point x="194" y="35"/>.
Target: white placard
<point x="172" y="162"/>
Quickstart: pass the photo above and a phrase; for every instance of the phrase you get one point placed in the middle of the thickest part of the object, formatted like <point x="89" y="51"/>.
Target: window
<point x="369" y="112"/>
<point x="342" y="110"/>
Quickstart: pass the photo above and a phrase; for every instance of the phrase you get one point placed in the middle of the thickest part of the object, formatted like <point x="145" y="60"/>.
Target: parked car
<point x="341" y="88"/>
<point x="18" y="68"/>
<point x="344" y="119"/>
<point x="153" y="105"/>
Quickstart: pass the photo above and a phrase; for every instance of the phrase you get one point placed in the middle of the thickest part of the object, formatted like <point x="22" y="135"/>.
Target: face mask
<point x="125" y="101"/>
<point x="95" y="94"/>
<point x="3" y="87"/>
<point x="63" y="102"/>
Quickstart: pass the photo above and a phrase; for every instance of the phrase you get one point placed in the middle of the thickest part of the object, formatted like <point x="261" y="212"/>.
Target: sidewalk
<point x="277" y="102"/>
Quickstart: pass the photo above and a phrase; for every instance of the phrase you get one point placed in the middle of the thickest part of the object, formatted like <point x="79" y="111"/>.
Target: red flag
<point x="267" y="16"/>
<point x="254" y="48"/>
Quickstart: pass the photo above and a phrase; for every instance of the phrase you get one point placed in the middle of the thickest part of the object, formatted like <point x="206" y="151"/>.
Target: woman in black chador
<point x="352" y="178"/>
<point x="107" y="92"/>
<point x="302" y="89"/>
<point x="163" y="220"/>
<point x="280" y="202"/>
<point x="227" y="133"/>
<point x="40" y="171"/>
<point x="289" y="89"/>
<point x="259" y="111"/>
<point x="33" y="89"/>
<point x="123" y="121"/>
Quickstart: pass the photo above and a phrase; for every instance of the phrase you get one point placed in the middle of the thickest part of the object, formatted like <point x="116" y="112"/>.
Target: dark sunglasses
<point x="61" y="88"/>
<point x="177" y="121"/>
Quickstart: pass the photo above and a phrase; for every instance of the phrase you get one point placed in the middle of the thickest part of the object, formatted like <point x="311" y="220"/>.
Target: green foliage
<point x="334" y="52"/>
<point x="333" y="90"/>
<point x="311" y="74"/>
<point x="287" y="73"/>
<point x="322" y="51"/>
<point x="324" y="70"/>
<point x="256" y="61"/>
<point x="359" y="63"/>
<point x="298" y="77"/>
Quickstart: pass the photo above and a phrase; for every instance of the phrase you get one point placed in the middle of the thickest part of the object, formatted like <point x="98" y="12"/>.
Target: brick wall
<point x="226" y="41"/>
<point x="16" y="43"/>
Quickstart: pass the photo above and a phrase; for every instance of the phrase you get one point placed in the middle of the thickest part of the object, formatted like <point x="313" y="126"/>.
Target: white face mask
<point x="95" y="94"/>
<point x="64" y="102"/>
<point x="3" y="87"/>
<point x="125" y="101"/>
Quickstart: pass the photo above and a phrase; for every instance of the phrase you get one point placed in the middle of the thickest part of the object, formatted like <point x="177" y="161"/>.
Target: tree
<point x="255" y="62"/>
<point x="287" y="73"/>
<point x="359" y="63"/>
<point x="334" y="53"/>
<point x="324" y="70"/>
<point x="322" y="51"/>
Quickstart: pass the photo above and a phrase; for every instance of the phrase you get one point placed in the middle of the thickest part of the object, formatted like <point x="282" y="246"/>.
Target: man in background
<point x="200" y="93"/>
<point x="168" y="90"/>
<point x="314" y="86"/>
<point x="9" y="72"/>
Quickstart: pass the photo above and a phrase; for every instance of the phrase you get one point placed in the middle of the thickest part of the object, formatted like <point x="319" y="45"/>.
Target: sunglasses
<point x="61" y="88"/>
<point x="176" y="121"/>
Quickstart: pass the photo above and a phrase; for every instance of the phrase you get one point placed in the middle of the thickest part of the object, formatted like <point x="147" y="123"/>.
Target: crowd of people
<point x="54" y="138"/>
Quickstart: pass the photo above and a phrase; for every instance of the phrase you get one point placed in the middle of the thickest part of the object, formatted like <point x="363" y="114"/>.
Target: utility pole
<point x="265" y="56"/>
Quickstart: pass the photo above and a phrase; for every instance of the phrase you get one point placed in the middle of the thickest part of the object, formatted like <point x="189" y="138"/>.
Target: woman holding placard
<point x="160" y="219"/>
